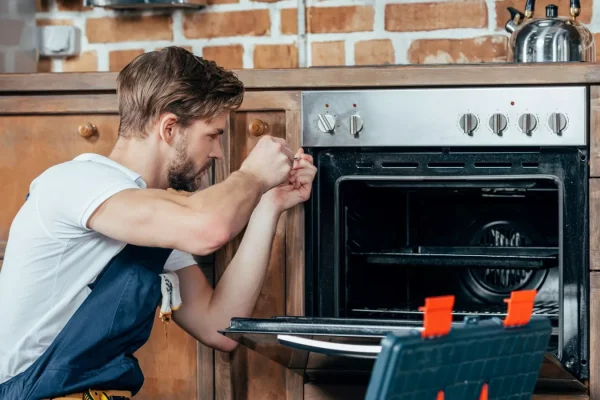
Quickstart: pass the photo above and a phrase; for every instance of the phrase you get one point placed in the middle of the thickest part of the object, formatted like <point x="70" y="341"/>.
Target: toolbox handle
<point x="330" y="348"/>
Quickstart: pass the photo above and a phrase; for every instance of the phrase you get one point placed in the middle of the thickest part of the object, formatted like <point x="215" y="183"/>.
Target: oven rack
<point x="465" y="256"/>
<point x="550" y="310"/>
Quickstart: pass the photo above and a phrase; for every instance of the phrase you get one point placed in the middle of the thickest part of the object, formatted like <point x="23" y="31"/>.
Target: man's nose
<point x="217" y="150"/>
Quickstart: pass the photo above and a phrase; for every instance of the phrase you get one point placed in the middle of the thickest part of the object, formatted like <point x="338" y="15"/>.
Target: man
<point x="80" y="281"/>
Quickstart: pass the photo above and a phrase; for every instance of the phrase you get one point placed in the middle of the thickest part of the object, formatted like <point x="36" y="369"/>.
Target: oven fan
<point x="492" y="285"/>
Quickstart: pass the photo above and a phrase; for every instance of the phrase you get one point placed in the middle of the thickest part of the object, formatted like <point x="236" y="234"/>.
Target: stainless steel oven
<point x="474" y="192"/>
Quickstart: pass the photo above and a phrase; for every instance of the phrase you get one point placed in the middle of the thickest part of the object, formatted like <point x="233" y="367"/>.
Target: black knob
<point x="551" y="11"/>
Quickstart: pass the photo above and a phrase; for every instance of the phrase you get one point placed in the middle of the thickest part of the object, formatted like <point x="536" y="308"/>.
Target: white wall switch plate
<point x="59" y="41"/>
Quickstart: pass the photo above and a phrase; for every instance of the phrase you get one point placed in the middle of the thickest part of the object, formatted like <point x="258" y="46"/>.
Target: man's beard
<point x="181" y="174"/>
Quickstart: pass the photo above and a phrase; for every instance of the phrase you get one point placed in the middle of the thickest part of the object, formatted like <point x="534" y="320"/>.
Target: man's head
<point x="180" y="102"/>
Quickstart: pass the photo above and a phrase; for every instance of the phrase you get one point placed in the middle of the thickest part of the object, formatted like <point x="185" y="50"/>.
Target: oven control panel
<point x="499" y="116"/>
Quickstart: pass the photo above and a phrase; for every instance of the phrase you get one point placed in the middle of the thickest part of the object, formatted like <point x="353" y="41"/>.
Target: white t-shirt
<point x="51" y="256"/>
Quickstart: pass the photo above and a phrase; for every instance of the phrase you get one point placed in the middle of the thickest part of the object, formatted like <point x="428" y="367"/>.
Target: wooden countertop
<point x="341" y="77"/>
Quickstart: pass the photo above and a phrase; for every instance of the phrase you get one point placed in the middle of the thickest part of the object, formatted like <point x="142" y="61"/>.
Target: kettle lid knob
<point x="551" y="11"/>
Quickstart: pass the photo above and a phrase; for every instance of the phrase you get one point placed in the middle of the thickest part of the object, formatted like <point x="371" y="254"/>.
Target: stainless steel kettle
<point x="549" y="39"/>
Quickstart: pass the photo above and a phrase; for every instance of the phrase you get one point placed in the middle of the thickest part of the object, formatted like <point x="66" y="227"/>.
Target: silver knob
<point x="527" y="123"/>
<point x="468" y="123"/>
<point x="326" y="123"/>
<point x="557" y="123"/>
<point x="356" y="124"/>
<point x="498" y="123"/>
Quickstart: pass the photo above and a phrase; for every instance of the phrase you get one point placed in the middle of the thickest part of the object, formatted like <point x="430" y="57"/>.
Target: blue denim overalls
<point x="95" y="348"/>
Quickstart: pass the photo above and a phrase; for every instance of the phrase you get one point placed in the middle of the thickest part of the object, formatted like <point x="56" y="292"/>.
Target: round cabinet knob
<point x="326" y="123"/>
<point x="527" y="123"/>
<point x="498" y="124"/>
<point x="557" y="123"/>
<point x="86" y="130"/>
<point x="468" y="123"/>
<point x="257" y="127"/>
<point x="356" y="124"/>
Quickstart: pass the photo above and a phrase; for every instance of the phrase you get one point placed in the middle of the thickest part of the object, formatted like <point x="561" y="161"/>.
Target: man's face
<point x="195" y="148"/>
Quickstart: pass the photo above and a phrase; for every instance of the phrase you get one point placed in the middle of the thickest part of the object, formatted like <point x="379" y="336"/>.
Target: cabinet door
<point x="28" y="146"/>
<point x="244" y="374"/>
<point x="31" y="144"/>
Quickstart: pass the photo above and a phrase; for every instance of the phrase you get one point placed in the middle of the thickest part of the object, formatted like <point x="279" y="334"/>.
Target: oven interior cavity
<point x="404" y="240"/>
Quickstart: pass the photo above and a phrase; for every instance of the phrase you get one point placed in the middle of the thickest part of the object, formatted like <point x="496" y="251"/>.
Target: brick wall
<point x="263" y="33"/>
<point x="17" y="36"/>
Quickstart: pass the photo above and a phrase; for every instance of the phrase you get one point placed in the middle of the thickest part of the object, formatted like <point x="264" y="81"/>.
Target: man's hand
<point x="235" y="295"/>
<point x="270" y="161"/>
<point x="298" y="188"/>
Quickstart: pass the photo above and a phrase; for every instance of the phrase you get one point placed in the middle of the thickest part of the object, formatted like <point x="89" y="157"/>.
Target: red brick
<point x="44" y="64"/>
<point x="117" y="60"/>
<point x="223" y="24"/>
<point x="459" y="51"/>
<point x="212" y="2"/>
<point x="188" y="48"/>
<point x="49" y="22"/>
<point x="289" y="21"/>
<point x="374" y="52"/>
<point x="230" y="57"/>
<point x="130" y="28"/>
<point x="328" y="54"/>
<point x="340" y="19"/>
<point x="275" y="56"/>
<point x="502" y="14"/>
<point x="410" y="17"/>
<point x="85" y="62"/>
<point x="597" y="41"/>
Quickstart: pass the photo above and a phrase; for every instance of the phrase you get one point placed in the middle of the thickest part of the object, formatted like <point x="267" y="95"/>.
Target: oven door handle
<point x="330" y="348"/>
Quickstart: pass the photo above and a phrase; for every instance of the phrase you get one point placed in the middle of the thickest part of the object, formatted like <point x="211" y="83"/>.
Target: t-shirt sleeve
<point x="68" y="194"/>
<point x="178" y="260"/>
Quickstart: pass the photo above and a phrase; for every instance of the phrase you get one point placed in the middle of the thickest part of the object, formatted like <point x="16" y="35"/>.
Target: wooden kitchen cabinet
<point x="244" y="374"/>
<point x="31" y="144"/>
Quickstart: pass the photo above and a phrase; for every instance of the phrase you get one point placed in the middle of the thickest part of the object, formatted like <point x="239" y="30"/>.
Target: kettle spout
<point x="516" y="17"/>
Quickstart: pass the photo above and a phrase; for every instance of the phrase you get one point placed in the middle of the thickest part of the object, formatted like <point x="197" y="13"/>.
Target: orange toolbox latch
<point x="437" y="316"/>
<point x="520" y="307"/>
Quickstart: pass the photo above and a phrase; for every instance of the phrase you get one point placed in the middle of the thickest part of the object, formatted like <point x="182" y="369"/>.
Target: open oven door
<point x="329" y="349"/>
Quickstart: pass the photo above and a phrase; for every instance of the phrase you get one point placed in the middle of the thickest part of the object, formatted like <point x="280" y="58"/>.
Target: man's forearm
<point x="233" y="200"/>
<point x="238" y="289"/>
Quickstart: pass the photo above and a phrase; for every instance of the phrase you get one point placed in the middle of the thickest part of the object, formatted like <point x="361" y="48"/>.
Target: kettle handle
<point x="575" y="8"/>
<point x="514" y="13"/>
<point x="530" y="8"/>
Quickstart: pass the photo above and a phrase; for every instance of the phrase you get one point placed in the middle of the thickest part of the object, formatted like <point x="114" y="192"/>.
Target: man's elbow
<point x="211" y="237"/>
<point x="221" y="343"/>
<point x="227" y="347"/>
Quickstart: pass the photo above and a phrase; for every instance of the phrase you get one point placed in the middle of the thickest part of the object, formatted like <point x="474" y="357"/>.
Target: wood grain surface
<point x="346" y="77"/>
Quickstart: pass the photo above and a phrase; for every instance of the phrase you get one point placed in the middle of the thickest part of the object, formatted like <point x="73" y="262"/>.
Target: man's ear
<point x="167" y="125"/>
